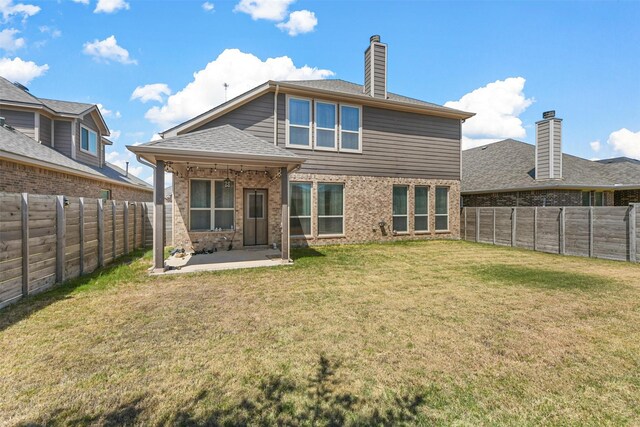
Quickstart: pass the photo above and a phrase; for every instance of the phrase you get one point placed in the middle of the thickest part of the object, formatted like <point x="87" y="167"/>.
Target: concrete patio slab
<point x="224" y="260"/>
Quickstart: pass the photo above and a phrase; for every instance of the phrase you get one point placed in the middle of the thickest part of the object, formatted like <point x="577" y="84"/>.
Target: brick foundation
<point x="624" y="197"/>
<point x="368" y="200"/>
<point x="19" y="178"/>
<point x="531" y="198"/>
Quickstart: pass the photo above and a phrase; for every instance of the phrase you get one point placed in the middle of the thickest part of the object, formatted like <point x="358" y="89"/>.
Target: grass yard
<point x="441" y="332"/>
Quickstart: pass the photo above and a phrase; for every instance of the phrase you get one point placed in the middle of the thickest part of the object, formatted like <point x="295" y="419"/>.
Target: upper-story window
<point x="350" y="128"/>
<point x="299" y="121"/>
<point x="326" y="123"/>
<point x="88" y="140"/>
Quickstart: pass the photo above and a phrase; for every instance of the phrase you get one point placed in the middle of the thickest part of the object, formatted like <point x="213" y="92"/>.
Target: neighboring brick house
<point x="514" y="173"/>
<point x="58" y="147"/>
<point x="313" y="162"/>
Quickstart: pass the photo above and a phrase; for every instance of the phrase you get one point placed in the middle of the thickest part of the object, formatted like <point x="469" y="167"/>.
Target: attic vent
<point x="549" y="114"/>
<point x="484" y="148"/>
<point x="21" y="86"/>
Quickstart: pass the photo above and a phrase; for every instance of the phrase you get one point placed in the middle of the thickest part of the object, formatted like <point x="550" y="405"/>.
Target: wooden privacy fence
<point x="48" y="239"/>
<point x="600" y="232"/>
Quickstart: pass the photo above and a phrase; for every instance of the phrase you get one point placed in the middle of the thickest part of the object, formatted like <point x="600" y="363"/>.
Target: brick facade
<point x="19" y="178"/>
<point x="624" y="197"/>
<point x="368" y="200"/>
<point x="531" y="198"/>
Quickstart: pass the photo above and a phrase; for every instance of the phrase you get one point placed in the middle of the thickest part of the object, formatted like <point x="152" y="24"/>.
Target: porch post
<point x="158" y="217"/>
<point x="284" y="192"/>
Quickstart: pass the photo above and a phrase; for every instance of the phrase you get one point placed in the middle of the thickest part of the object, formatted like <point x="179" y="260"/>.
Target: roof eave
<point x="553" y="187"/>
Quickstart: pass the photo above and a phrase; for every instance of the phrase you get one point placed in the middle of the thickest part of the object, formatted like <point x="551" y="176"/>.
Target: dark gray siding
<point x="367" y="71"/>
<point x="557" y="148"/>
<point x="379" y="74"/>
<point x="255" y="117"/>
<point x="542" y="144"/>
<point x="23" y="121"/>
<point x="83" y="156"/>
<point x="62" y="136"/>
<point x="45" y="130"/>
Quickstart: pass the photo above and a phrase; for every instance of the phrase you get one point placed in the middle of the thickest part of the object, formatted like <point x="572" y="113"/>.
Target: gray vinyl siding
<point x="255" y="117"/>
<point x="367" y="71"/>
<point x="23" y="121"/>
<point x="557" y="148"/>
<point x="88" y="122"/>
<point x="45" y="130"/>
<point x="62" y="136"/>
<point x="379" y="75"/>
<point x="542" y="144"/>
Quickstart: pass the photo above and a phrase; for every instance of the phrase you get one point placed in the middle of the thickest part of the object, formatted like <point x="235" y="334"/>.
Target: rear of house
<point x="314" y="162"/>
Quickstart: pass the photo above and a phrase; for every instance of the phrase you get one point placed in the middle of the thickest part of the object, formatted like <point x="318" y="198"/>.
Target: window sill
<point x="331" y="236"/>
<point x="346" y="150"/>
<point x="423" y="232"/>
<point x="212" y="231"/>
<point x="443" y="231"/>
<point x="82" y="150"/>
<point x="299" y="147"/>
<point x="401" y="233"/>
<point x="325" y="148"/>
<point x="301" y="236"/>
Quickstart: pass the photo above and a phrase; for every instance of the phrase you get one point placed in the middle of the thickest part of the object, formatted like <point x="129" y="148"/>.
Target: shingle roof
<point x="510" y="165"/>
<point x="16" y="143"/>
<point x="619" y="160"/>
<point x="224" y="139"/>
<point x="66" y="107"/>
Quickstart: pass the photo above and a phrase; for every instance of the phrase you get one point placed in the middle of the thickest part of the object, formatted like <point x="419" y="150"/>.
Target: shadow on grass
<point x="543" y="279"/>
<point x="305" y="252"/>
<point x="101" y="278"/>
<point x="277" y="401"/>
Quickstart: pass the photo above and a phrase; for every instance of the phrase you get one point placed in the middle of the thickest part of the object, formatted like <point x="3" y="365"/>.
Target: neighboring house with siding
<point x="514" y="173"/>
<point x="313" y="162"/>
<point x="49" y="146"/>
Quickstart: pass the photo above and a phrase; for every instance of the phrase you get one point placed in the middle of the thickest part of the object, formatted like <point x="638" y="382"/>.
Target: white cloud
<point x="497" y="107"/>
<point x="151" y="92"/>
<point x="272" y="10"/>
<point x="9" y="41"/>
<point x="208" y="7"/>
<point x="55" y="33"/>
<point x="81" y="1"/>
<point x="595" y="145"/>
<point x="110" y="6"/>
<point x="115" y="135"/>
<point x="8" y="9"/>
<point x="108" y="113"/>
<point x="108" y="50"/>
<point x="120" y="159"/>
<point x="21" y="71"/>
<point x="625" y="142"/>
<point x="156" y="137"/>
<point x="300" y="22"/>
<point x="242" y="71"/>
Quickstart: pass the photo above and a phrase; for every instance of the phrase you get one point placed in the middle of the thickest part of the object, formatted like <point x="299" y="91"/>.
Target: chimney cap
<point x="374" y="38"/>
<point x="549" y="114"/>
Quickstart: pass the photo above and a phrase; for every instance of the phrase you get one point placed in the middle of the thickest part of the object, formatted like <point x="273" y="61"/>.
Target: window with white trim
<point x="330" y="209"/>
<point x="299" y="123"/>
<point x="326" y="137"/>
<point x="300" y="209"/>
<point x="350" y="128"/>
<point x="421" y="208"/>
<point x="212" y="205"/>
<point x="400" y="209"/>
<point x="442" y="208"/>
<point x="88" y="140"/>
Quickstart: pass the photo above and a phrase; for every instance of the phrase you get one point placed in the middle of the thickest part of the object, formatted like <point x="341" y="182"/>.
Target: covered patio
<point x="230" y="191"/>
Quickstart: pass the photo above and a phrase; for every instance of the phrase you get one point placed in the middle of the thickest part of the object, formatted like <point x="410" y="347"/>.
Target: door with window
<point x="256" y="228"/>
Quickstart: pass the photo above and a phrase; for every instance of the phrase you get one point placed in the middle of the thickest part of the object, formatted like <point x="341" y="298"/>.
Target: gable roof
<point x="351" y="92"/>
<point x="619" y="160"/>
<point x="509" y="165"/>
<point x="16" y="146"/>
<point x="11" y="94"/>
<point x="223" y="142"/>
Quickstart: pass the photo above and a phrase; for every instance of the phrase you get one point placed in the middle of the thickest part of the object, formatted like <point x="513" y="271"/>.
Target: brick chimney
<point x="549" y="147"/>
<point x="375" y="68"/>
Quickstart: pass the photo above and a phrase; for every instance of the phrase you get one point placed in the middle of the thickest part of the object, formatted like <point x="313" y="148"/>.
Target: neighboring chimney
<point x="549" y="147"/>
<point x="126" y="170"/>
<point x="2" y="121"/>
<point x="375" y="68"/>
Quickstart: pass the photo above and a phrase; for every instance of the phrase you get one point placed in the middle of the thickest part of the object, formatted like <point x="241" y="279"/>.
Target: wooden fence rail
<point x="46" y="240"/>
<point x="599" y="232"/>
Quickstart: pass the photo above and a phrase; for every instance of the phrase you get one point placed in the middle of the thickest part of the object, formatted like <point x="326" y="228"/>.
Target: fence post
<point x="144" y="224"/>
<point x="513" y="226"/>
<point x="60" y="238"/>
<point x="494" y="226"/>
<point x="591" y="218"/>
<point x="465" y="223"/>
<point x="561" y="229"/>
<point x="632" y="233"/>
<point x="477" y="224"/>
<point x="100" y="233"/>
<point x="135" y="224"/>
<point x="535" y="228"/>
<point x="113" y="230"/>
<point x="24" y="209"/>
<point x="126" y="228"/>
<point x="81" y="224"/>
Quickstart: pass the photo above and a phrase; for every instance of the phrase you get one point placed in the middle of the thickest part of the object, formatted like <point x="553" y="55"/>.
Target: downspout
<point x="275" y="116"/>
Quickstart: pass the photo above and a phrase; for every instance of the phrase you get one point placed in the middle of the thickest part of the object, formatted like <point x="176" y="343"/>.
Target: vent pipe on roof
<point x="126" y="170"/>
<point x="549" y="147"/>
<point x="375" y="68"/>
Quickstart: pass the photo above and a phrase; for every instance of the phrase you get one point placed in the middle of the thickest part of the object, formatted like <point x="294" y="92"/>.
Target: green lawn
<point x="440" y="332"/>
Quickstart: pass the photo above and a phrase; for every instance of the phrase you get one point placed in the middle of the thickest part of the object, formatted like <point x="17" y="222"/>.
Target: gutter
<point x="556" y="187"/>
<point x="275" y="116"/>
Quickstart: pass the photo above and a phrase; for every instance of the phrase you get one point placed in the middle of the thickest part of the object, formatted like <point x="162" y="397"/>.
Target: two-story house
<point x="58" y="147"/>
<point x="312" y="162"/>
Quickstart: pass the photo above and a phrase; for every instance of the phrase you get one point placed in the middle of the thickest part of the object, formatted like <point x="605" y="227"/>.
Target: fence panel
<point x="610" y="234"/>
<point x="90" y="262"/>
<point x="503" y="226"/>
<point x="10" y="248"/>
<point x="119" y="228"/>
<point x="168" y="223"/>
<point x="548" y="230"/>
<point x="577" y="231"/>
<point x="525" y="227"/>
<point x="72" y="238"/>
<point x="485" y="232"/>
<point x="42" y="242"/>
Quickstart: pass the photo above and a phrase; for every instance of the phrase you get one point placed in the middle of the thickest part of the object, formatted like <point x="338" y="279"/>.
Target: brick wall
<point x="368" y="200"/>
<point x="18" y="178"/>
<point x="530" y="198"/>
<point x="624" y="197"/>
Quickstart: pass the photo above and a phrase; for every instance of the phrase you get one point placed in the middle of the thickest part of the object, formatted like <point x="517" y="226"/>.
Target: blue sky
<point x="508" y="61"/>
